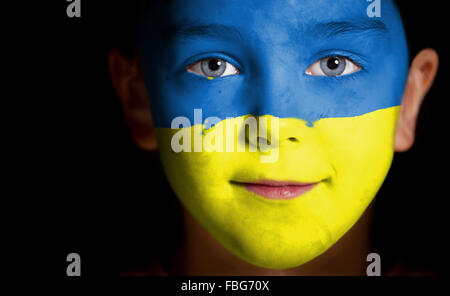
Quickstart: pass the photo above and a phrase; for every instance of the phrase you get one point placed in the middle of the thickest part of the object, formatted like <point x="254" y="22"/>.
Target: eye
<point x="333" y="66"/>
<point x="212" y="68"/>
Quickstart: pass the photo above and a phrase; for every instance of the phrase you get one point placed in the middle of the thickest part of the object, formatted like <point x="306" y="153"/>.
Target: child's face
<point x="333" y="76"/>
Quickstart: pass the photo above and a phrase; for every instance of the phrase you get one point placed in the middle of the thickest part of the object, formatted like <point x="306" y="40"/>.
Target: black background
<point x="108" y="201"/>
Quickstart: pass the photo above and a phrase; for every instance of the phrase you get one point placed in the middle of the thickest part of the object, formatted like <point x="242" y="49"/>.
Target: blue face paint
<point x="273" y="43"/>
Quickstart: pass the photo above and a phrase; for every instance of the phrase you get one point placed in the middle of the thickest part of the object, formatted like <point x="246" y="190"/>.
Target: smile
<point x="277" y="189"/>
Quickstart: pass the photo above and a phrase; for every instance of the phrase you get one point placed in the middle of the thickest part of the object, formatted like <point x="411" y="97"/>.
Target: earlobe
<point x="131" y="91"/>
<point x="420" y="78"/>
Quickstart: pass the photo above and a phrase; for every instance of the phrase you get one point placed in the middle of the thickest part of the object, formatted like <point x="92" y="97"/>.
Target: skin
<point x="346" y="128"/>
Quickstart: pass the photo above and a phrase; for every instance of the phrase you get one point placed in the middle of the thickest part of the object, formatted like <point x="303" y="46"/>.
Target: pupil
<point x="214" y="64"/>
<point x="333" y="63"/>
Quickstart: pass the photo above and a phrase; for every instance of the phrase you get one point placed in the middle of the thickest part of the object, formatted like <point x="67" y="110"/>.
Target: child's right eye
<point x="212" y="68"/>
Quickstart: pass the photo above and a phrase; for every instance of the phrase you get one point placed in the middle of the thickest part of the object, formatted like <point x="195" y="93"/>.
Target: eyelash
<point x="218" y="55"/>
<point x="352" y="76"/>
<point x="354" y="58"/>
<point x="340" y="56"/>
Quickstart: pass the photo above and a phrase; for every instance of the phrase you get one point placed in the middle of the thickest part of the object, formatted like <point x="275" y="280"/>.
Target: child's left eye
<point x="213" y="67"/>
<point x="333" y="66"/>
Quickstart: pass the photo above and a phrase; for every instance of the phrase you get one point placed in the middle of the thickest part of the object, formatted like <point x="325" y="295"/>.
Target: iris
<point x="213" y="67"/>
<point x="333" y="66"/>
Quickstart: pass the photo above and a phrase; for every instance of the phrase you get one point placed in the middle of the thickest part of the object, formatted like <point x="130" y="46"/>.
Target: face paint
<point x="335" y="132"/>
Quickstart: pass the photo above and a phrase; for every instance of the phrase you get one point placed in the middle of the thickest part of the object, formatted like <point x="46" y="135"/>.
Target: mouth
<point x="277" y="189"/>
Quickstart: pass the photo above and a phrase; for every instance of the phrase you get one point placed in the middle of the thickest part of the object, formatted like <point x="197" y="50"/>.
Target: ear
<point x="128" y="82"/>
<point x="421" y="76"/>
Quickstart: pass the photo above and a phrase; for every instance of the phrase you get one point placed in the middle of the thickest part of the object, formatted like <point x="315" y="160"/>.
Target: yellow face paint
<point x="349" y="157"/>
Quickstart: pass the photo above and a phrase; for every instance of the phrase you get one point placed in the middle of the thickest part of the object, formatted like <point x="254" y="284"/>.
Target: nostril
<point x="293" y="139"/>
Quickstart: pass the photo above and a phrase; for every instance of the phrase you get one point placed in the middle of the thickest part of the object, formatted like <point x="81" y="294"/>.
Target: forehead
<point x="270" y="19"/>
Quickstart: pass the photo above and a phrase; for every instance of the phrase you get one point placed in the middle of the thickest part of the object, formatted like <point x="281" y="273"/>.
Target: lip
<point x="283" y="190"/>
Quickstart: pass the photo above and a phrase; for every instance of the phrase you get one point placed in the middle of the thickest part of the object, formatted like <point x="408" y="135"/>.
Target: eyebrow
<point x="334" y="29"/>
<point x="206" y="30"/>
<point x="319" y="30"/>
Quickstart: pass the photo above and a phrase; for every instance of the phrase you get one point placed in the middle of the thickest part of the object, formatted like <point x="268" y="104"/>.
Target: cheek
<point x="360" y="149"/>
<point x="200" y="179"/>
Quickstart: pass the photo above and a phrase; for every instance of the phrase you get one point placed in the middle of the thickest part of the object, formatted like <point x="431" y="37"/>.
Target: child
<point x="332" y="95"/>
